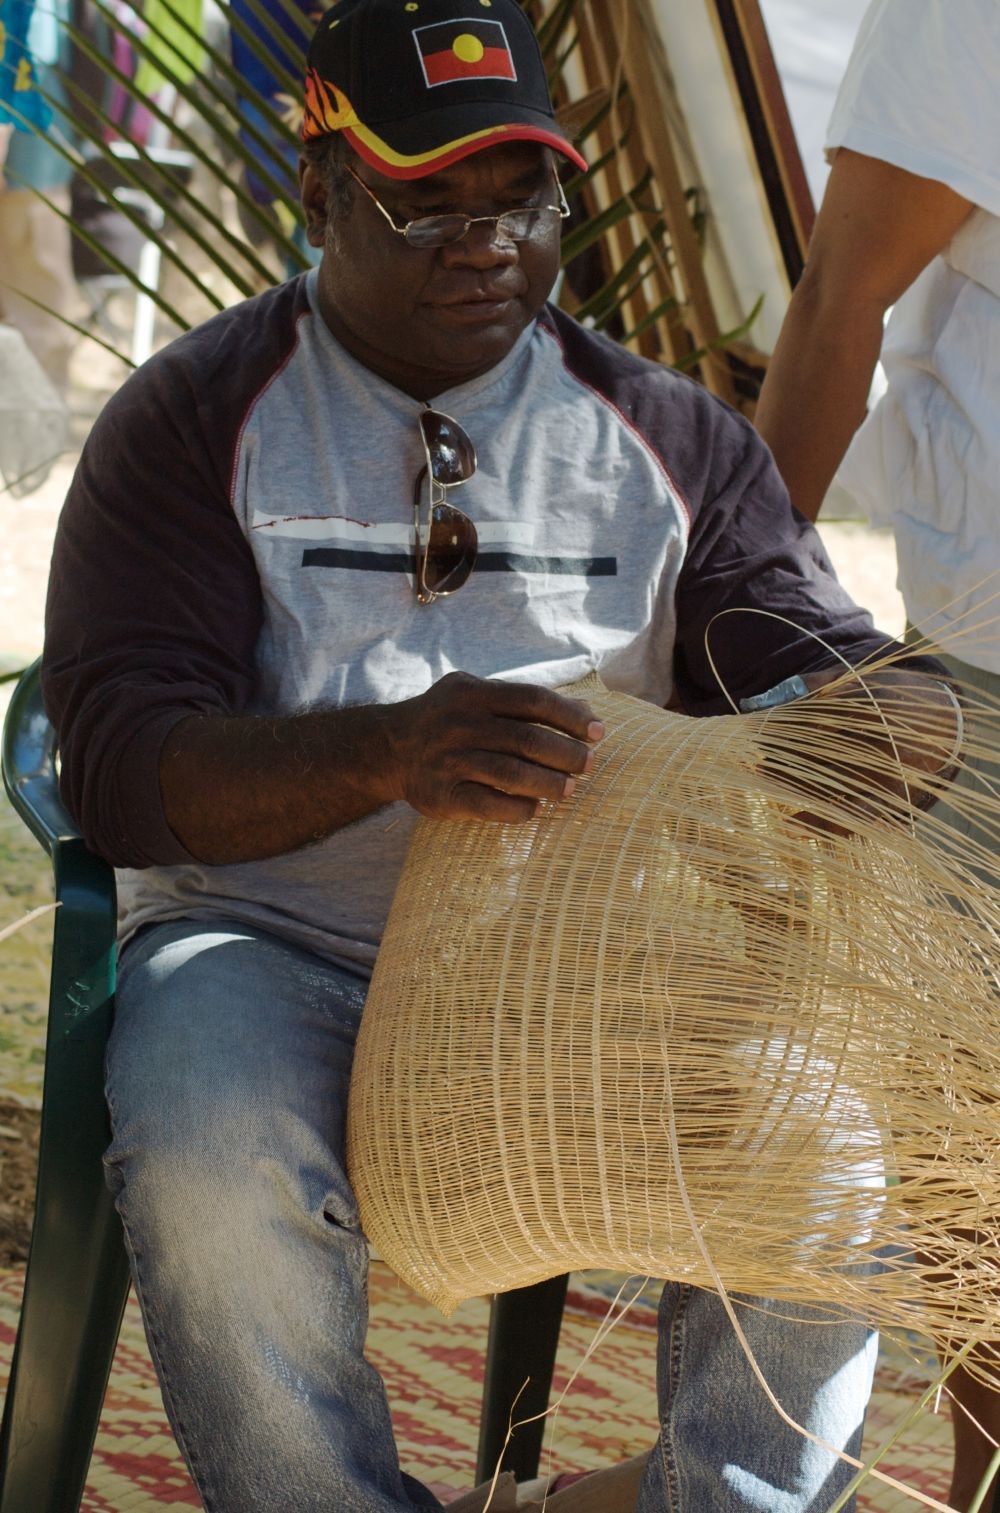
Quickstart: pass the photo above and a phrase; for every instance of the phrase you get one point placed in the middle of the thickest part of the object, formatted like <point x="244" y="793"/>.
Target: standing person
<point x="278" y="29"/>
<point x="273" y="641"/>
<point x="38" y="293"/>
<point x="911" y="219"/>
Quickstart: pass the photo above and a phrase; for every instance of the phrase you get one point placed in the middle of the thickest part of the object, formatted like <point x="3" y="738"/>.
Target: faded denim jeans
<point x="228" y="1072"/>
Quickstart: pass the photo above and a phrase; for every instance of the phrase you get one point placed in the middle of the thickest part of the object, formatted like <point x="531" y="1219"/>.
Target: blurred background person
<point x="35" y="260"/>
<point x="910" y="220"/>
<point x="266" y="74"/>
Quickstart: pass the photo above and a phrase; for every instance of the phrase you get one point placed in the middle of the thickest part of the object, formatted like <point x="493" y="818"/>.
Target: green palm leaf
<point x="618" y="243"/>
<point x="214" y="164"/>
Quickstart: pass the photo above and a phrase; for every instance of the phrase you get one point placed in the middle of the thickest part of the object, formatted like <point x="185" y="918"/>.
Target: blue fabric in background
<point x="263" y="78"/>
<point x="20" y="102"/>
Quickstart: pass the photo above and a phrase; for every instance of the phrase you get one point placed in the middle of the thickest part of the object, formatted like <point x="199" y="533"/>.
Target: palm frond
<point x="632" y="250"/>
<point x="195" y="98"/>
<point x="175" y="187"/>
<point x="212" y="110"/>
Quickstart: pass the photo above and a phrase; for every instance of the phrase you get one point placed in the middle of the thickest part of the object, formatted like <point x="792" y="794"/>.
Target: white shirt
<point x="922" y="91"/>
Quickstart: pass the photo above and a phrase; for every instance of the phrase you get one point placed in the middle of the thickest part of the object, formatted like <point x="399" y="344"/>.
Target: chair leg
<point x="523" y="1339"/>
<point x="66" y="1338"/>
<point x="77" y="1274"/>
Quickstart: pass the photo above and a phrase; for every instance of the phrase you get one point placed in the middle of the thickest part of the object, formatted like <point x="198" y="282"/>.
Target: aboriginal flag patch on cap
<point x="464" y="49"/>
<point x="414" y="85"/>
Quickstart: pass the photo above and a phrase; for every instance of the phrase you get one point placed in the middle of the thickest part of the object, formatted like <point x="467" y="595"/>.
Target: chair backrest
<point x="84" y="947"/>
<point x="77" y="1272"/>
<point x="29" y="765"/>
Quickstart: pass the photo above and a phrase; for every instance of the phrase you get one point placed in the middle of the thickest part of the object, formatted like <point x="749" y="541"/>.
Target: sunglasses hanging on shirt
<point x="445" y="542"/>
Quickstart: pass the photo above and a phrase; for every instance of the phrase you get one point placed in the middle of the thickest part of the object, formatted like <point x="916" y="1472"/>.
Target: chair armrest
<point x="29" y="765"/>
<point x="83" y="962"/>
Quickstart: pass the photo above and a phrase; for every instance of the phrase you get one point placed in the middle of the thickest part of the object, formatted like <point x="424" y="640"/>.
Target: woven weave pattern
<point x="665" y="1028"/>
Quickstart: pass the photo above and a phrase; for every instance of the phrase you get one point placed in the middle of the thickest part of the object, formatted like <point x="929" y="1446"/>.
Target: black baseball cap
<point x="417" y="84"/>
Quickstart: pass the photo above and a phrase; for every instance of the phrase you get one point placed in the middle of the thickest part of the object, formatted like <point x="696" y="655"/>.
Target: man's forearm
<point x="877" y="229"/>
<point x="238" y="789"/>
<point x="916" y="716"/>
<point x="817" y="383"/>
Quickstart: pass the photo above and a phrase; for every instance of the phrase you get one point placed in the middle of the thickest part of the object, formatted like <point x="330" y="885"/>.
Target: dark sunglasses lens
<point x="451" y="550"/>
<point x="450" y="453"/>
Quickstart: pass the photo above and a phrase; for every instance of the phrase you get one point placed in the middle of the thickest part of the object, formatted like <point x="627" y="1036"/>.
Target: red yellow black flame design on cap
<point x="326" y="108"/>
<point x="412" y="94"/>
<point x="451" y="51"/>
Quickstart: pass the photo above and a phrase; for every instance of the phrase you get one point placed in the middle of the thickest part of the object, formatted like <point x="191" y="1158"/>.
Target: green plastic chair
<point x="77" y="1275"/>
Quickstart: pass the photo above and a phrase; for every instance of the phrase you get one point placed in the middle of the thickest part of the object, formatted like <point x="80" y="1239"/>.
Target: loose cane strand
<point x="668" y="1028"/>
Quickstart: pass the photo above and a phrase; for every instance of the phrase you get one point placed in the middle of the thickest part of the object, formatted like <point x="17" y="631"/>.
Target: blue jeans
<point x="228" y="1072"/>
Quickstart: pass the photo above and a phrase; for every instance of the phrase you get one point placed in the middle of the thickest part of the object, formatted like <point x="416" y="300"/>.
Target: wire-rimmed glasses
<point x="429" y="231"/>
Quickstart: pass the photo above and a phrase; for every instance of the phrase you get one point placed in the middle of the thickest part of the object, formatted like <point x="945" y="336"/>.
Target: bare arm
<point x="878" y="228"/>
<point x="238" y="789"/>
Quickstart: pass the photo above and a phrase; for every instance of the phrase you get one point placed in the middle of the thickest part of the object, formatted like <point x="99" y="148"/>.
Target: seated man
<point x="323" y="564"/>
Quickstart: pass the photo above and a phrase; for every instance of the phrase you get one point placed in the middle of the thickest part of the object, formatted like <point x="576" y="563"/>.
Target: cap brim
<point x="450" y="131"/>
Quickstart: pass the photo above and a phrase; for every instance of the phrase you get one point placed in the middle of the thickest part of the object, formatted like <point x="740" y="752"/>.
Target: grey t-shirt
<point x="243" y="516"/>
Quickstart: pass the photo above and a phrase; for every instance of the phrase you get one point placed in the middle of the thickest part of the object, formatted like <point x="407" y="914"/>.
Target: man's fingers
<point x="525" y="779"/>
<point x="468" y="737"/>
<point x="473" y="801"/>
<point x="539" y="746"/>
<point x="542" y="706"/>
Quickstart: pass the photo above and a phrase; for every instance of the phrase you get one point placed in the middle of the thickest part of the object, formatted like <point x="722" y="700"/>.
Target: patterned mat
<point x="433" y="1368"/>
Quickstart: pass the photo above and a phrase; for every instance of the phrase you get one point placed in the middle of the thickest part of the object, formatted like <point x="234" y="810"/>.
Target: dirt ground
<point x="18" y="1164"/>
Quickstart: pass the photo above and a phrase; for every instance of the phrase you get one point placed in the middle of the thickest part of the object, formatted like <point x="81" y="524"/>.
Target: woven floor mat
<point x="433" y="1368"/>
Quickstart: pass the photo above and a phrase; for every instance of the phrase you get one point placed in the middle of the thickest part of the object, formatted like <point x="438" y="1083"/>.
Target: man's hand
<point x="475" y="749"/>
<point x="875" y="741"/>
<point x="238" y="789"/>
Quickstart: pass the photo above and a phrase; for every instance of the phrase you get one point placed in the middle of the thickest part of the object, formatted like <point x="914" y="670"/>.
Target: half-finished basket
<point x="666" y="1028"/>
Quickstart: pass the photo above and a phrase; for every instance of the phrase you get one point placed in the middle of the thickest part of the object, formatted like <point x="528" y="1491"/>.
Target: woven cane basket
<point x="666" y="1028"/>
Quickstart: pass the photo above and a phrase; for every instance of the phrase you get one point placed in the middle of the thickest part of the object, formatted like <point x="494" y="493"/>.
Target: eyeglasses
<point x="445" y="552"/>
<point x="444" y="230"/>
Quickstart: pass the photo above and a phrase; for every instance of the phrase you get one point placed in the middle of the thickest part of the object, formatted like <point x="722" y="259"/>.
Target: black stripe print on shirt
<point x="486" y="562"/>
